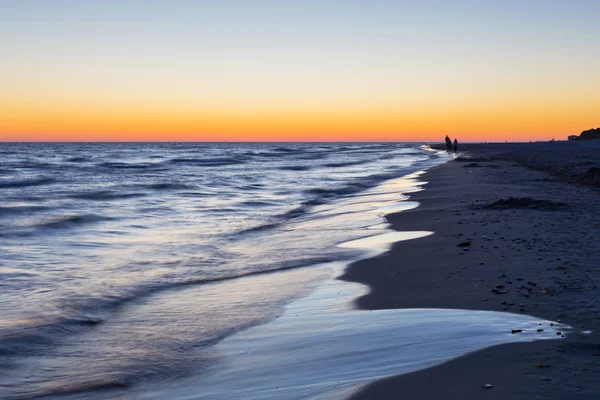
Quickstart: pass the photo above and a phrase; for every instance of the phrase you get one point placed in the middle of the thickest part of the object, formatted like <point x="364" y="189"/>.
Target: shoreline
<point x="303" y="363"/>
<point x="391" y="341"/>
<point x="520" y="249"/>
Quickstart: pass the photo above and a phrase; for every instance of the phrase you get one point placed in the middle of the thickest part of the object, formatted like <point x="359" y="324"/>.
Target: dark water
<point x="123" y="263"/>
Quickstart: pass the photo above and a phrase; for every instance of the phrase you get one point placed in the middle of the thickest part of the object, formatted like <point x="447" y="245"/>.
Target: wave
<point x="296" y="167"/>
<point x="256" y="203"/>
<point x="27" y="182"/>
<point x="88" y="310"/>
<point x="278" y="220"/>
<point x="127" y="166"/>
<point x="356" y="186"/>
<point x="318" y="196"/>
<point x="212" y="162"/>
<point x="51" y="224"/>
<point x="29" y="164"/>
<point x="38" y="336"/>
<point x="253" y="186"/>
<point x="313" y="156"/>
<point x="169" y="186"/>
<point x="77" y="388"/>
<point x="347" y="164"/>
<point x="8" y="272"/>
<point x="8" y="210"/>
<point x="193" y="194"/>
<point x="259" y="228"/>
<point x="266" y="154"/>
<point x="322" y="195"/>
<point x="105" y="195"/>
<point x="78" y="159"/>
<point x="285" y="149"/>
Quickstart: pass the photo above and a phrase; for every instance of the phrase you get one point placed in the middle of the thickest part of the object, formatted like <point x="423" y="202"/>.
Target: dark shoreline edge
<point x="517" y="248"/>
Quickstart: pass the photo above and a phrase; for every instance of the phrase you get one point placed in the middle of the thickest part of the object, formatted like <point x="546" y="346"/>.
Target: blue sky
<point x="301" y="55"/>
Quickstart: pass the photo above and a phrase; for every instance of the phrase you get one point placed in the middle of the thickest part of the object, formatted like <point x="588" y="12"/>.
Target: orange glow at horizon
<point x="312" y="71"/>
<point x="483" y="122"/>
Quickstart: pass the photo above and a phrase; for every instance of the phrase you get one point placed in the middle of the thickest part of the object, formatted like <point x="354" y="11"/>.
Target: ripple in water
<point x="130" y="266"/>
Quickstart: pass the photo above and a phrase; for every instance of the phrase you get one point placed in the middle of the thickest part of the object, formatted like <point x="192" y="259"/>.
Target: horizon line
<point x="271" y="141"/>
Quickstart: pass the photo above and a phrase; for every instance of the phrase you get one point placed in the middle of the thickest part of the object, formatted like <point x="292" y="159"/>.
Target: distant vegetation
<point x="590" y="134"/>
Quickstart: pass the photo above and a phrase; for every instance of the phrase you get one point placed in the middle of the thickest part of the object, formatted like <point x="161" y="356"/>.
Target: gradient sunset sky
<point x="298" y="70"/>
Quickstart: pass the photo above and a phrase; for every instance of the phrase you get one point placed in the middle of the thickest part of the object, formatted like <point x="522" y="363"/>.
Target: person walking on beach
<point x="455" y="146"/>
<point x="448" y="144"/>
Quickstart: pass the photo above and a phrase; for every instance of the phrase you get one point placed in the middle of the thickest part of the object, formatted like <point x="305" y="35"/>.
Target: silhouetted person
<point x="455" y="146"/>
<point x="448" y="144"/>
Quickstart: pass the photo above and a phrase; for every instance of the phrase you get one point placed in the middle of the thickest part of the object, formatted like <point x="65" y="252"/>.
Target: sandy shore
<point x="540" y="258"/>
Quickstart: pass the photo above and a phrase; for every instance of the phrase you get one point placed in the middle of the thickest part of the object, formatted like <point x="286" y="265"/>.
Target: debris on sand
<point x="549" y="291"/>
<point x="487" y="386"/>
<point x="561" y="268"/>
<point x="525" y="202"/>
<point x="464" y="244"/>
<point x="540" y="365"/>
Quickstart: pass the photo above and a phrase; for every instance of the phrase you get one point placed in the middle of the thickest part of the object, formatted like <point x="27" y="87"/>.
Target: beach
<point x="529" y="255"/>
<point x="270" y="200"/>
<point x="536" y="256"/>
<point x="380" y="269"/>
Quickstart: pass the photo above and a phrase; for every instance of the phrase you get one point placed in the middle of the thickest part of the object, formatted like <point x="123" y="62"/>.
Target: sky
<point x="287" y="70"/>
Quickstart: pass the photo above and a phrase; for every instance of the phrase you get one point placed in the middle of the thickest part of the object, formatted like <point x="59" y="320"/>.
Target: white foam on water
<point x="321" y="347"/>
<point x="382" y="241"/>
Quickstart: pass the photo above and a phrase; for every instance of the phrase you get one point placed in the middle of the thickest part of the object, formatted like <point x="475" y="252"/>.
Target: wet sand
<point x="540" y="259"/>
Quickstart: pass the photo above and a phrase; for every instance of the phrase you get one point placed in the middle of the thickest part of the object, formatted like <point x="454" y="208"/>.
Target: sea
<point x="124" y="265"/>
